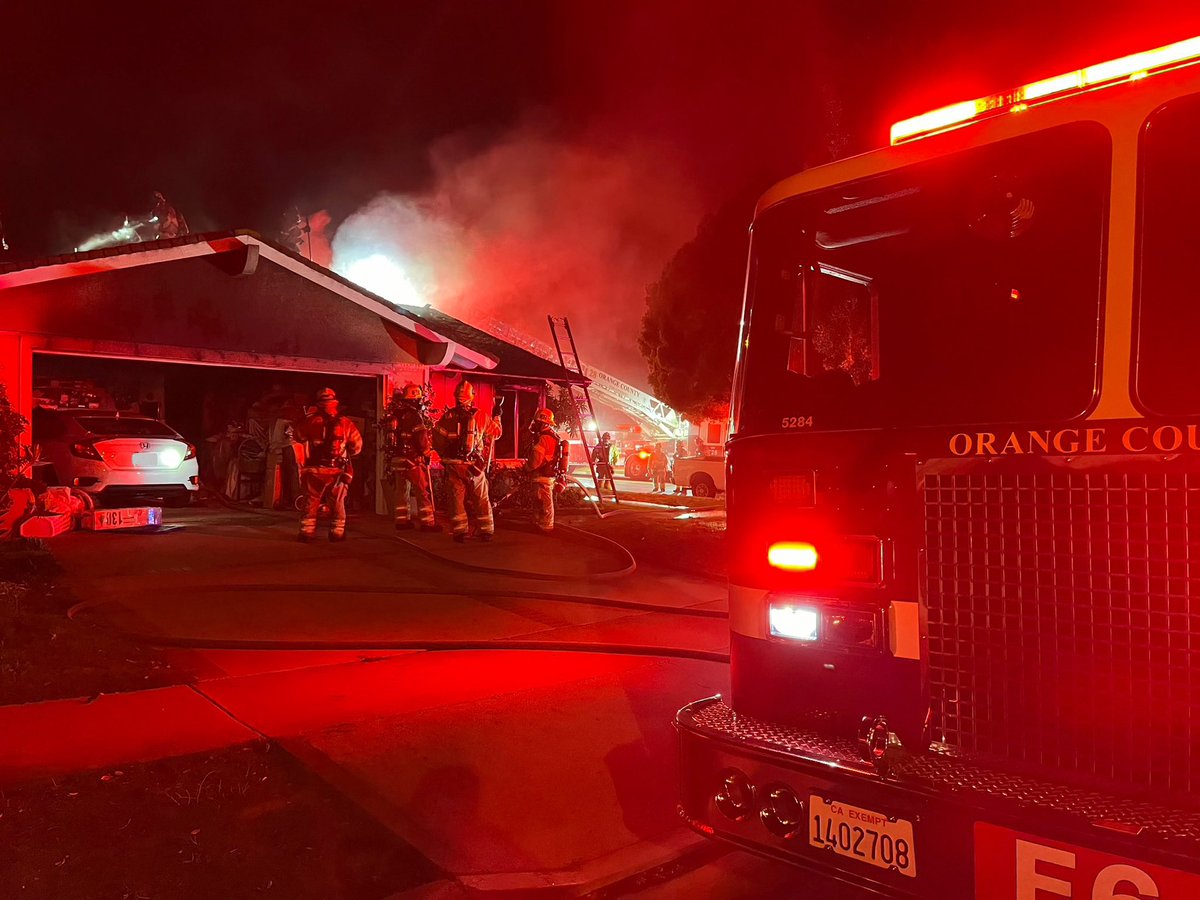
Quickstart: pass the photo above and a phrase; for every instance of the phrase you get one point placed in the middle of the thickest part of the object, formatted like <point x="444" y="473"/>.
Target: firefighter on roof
<point x="462" y="435"/>
<point x="409" y="444"/>
<point x="544" y="462"/>
<point x="328" y="442"/>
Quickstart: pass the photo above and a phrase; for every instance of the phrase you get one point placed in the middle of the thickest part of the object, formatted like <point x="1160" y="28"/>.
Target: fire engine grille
<point x="1064" y="619"/>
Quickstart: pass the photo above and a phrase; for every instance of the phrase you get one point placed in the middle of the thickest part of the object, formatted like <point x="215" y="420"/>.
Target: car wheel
<point x="703" y="486"/>
<point x="635" y="470"/>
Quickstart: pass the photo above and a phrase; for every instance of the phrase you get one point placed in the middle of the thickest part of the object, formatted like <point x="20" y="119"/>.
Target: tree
<point x="12" y="425"/>
<point x="690" y="328"/>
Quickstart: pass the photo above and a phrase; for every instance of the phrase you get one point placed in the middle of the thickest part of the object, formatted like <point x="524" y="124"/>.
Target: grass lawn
<point x="248" y="821"/>
<point x="44" y="655"/>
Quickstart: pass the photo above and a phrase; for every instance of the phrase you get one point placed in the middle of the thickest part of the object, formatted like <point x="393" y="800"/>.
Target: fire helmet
<point x="464" y="393"/>
<point x="544" y="416"/>
<point x="325" y="395"/>
<point x="411" y="391"/>
<point x="606" y="438"/>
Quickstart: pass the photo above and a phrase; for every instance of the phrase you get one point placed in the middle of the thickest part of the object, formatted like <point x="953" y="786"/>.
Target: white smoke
<point x="533" y="226"/>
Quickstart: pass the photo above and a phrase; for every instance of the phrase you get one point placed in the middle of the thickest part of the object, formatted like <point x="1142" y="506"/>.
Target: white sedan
<point x="116" y="458"/>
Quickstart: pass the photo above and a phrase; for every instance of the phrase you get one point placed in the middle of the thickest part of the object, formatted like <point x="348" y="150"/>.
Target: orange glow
<point x="1133" y="68"/>
<point x="793" y="557"/>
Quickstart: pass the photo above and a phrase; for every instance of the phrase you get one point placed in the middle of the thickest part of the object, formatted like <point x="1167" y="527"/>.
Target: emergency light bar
<point x="1104" y="74"/>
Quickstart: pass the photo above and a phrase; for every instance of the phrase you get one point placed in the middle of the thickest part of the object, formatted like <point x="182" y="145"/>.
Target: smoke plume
<point x="527" y="227"/>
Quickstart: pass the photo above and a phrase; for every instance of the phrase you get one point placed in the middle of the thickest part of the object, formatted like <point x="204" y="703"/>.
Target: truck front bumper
<point x="962" y="813"/>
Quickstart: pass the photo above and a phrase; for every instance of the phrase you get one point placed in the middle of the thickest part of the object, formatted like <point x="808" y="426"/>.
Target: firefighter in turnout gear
<point x="462" y="435"/>
<point x="410" y="442"/>
<point x="328" y="442"/>
<point x="603" y="459"/>
<point x="544" y="464"/>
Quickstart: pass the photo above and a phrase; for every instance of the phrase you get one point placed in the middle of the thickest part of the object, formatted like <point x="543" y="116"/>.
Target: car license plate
<point x="146" y="460"/>
<point x="1010" y="865"/>
<point x="130" y="517"/>
<point x="862" y="834"/>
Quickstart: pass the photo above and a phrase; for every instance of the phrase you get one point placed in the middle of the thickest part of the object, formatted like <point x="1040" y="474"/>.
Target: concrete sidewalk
<point x="58" y="737"/>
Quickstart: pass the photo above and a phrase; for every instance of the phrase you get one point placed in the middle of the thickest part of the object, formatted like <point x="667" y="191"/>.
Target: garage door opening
<point x="235" y="417"/>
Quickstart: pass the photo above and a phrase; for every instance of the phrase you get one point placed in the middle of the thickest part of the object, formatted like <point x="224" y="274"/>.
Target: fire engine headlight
<point x="735" y="799"/>
<point x="783" y="811"/>
<point x="794" y="621"/>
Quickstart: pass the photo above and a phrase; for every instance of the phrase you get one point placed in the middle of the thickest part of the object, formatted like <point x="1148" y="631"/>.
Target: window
<point x="964" y="290"/>
<point x="1167" y="379"/>
<point x="121" y="426"/>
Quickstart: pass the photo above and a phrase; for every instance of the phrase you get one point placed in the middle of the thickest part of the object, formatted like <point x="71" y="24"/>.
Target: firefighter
<point x="410" y="445"/>
<point x="603" y="455"/>
<point x="544" y="463"/>
<point x="329" y="442"/>
<point x="659" y="464"/>
<point x="463" y="433"/>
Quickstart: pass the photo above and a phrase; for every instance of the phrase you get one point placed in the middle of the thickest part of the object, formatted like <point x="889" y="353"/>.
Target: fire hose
<point x="432" y="645"/>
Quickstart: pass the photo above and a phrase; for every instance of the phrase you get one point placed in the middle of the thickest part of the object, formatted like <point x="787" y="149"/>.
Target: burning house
<point x="222" y="335"/>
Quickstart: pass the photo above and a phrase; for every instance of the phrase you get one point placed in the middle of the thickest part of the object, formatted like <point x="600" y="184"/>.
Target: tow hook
<point x="873" y="740"/>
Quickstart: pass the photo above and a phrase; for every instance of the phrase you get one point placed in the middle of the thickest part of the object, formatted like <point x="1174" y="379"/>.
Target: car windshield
<point x="119" y="426"/>
<point x="965" y="289"/>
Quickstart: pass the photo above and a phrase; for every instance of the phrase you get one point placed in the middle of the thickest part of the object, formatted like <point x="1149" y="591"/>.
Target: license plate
<point x="146" y="460"/>
<point x="862" y="834"/>
<point x="1010" y="865"/>
<point x="130" y="517"/>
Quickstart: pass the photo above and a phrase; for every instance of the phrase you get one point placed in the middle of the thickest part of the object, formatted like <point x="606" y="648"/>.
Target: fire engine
<point x="964" y="505"/>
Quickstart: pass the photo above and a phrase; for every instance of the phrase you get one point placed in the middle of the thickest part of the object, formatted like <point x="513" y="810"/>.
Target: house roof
<point x="19" y="273"/>
<point x="510" y="359"/>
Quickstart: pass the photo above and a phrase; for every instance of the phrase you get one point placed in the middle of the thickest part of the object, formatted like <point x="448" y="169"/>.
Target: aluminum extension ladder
<point x="581" y="399"/>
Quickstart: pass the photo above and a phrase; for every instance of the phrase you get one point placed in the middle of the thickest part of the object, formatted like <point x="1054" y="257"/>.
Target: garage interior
<point x="223" y="410"/>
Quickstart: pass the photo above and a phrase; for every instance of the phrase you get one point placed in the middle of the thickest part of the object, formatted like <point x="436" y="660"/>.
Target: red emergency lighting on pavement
<point x="1105" y="74"/>
<point x="793" y="556"/>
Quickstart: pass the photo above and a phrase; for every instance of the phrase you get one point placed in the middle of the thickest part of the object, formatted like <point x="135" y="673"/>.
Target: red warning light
<point x="1105" y="74"/>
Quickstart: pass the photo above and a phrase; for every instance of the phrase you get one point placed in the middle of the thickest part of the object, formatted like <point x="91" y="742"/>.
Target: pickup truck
<point x="703" y="475"/>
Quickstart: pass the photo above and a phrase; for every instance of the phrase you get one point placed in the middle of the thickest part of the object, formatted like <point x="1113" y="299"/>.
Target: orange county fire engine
<point x="964" y="505"/>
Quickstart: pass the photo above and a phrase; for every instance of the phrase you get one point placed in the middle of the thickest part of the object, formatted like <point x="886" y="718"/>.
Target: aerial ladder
<point x="660" y="421"/>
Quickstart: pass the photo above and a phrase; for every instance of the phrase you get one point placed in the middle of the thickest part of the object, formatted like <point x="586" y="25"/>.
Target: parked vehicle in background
<point x="637" y="463"/>
<point x="116" y="458"/>
<point x="704" y="476"/>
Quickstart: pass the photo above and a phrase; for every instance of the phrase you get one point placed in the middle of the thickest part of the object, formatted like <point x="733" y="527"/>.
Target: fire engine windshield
<point x="964" y="290"/>
<point x="1168" y="379"/>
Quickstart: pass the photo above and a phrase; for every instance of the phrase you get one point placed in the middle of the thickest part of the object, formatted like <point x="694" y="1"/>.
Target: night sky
<point x="237" y="111"/>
